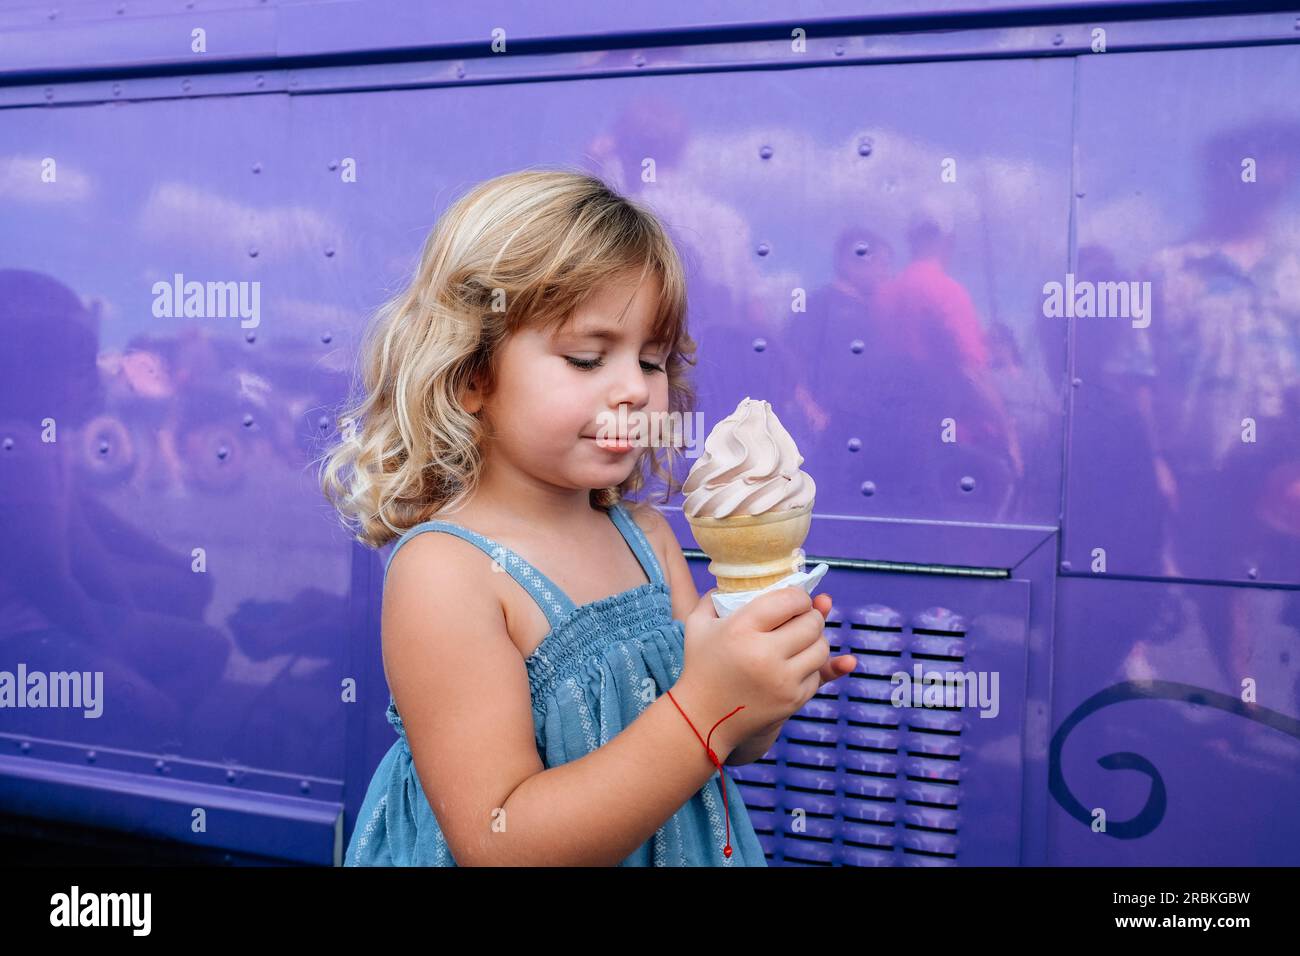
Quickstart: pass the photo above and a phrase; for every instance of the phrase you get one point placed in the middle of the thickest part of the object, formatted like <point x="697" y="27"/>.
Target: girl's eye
<point x="589" y="364"/>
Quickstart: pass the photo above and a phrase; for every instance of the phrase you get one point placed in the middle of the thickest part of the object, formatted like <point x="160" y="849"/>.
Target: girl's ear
<point x="472" y="398"/>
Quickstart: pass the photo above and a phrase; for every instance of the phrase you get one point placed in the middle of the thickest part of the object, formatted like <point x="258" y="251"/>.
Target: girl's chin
<point x="614" y="463"/>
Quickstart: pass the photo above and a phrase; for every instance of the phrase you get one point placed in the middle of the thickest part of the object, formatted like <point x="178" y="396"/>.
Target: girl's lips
<point x="611" y="445"/>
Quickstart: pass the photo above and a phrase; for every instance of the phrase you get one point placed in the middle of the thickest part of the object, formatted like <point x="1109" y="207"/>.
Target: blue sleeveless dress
<point x="585" y="680"/>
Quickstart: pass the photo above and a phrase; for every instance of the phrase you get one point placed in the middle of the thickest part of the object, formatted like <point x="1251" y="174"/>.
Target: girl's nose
<point x="631" y="388"/>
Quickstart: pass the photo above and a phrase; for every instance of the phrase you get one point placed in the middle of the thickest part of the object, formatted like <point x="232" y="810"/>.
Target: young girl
<point x="557" y="684"/>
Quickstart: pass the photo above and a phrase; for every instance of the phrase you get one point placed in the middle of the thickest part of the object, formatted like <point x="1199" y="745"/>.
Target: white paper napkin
<point x="728" y="603"/>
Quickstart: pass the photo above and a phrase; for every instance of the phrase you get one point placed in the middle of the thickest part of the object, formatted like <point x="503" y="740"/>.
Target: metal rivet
<point x="1252" y="573"/>
<point x="1077" y="382"/>
<point x="329" y="252"/>
<point x="760" y="344"/>
<point x="304" y="786"/>
<point x="257" y="167"/>
<point x="765" y="152"/>
<point x="763" y="249"/>
<point x="1057" y="40"/>
<point x="323" y="423"/>
<point x="158" y="765"/>
<point x="49" y="93"/>
<point x="839" y="49"/>
<point x="250" y="336"/>
<point x="230" y="776"/>
<point x="460" y="70"/>
<point x="333" y="165"/>
<point x="868" y="488"/>
<point x="117" y="89"/>
<point x="857" y="345"/>
<point x="103" y="447"/>
<point x="248" y="420"/>
<point x="91" y="755"/>
<point x="864" y="147"/>
<point x="25" y="746"/>
<point x="8" y="443"/>
<point x="185" y="85"/>
<point x="1065" y="565"/>
<point x="252" y="252"/>
<point x="223" y="452"/>
<point x="855" y="444"/>
<point x="967" y="483"/>
<point x="639" y="60"/>
<point x="1080" y="194"/>
<point x="326" y="337"/>
<point x="861" y="249"/>
<point x="259" y="80"/>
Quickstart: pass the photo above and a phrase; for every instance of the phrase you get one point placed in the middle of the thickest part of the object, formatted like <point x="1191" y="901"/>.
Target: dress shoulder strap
<point x="636" y="540"/>
<point x="555" y="604"/>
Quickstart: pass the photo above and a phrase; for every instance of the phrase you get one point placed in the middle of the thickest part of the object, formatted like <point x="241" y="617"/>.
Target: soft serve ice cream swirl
<point x="750" y="466"/>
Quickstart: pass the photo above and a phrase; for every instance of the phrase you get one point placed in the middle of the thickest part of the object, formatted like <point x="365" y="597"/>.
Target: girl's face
<point x="557" y="391"/>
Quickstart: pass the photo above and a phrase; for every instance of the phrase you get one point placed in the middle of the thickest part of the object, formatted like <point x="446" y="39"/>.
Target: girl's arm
<point x="462" y="690"/>
<point x="684" y="598"/>
<point x="752" y="748"/>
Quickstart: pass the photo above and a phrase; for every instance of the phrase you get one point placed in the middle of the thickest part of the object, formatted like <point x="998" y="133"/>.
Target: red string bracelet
<point x="726" y="849"/>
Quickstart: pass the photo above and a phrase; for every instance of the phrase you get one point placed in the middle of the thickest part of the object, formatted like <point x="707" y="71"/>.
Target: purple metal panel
<point x="1152" y="727"/>
<point x="172" y="537"/>
<point x="88" y="34"/>
<point x="395" y="24"/>
<point x="854" y="43"/>
<point x="1038" y="570"/>
<point x="1191" y="188"/>
<point x="227" y="35"/>
<point x="295" y="828"/>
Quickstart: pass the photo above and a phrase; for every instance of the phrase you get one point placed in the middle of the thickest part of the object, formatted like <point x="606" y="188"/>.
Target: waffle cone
<point x="749" y="552"/>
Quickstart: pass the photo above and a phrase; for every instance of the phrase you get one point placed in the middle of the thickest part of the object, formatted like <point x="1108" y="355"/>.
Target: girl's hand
<point x="770" y="656"/>
<point x="833" y="669"/>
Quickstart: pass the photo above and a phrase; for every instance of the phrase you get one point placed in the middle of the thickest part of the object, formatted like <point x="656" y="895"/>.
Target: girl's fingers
<point x="837" y="667"/>
<point x="823" y="602"/>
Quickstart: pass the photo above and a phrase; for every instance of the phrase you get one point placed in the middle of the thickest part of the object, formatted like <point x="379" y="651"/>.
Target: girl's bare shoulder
<point x="440" y="571"/>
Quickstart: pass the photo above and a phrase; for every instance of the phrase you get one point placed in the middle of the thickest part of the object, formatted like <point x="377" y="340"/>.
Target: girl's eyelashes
<point x="588" y="364"/>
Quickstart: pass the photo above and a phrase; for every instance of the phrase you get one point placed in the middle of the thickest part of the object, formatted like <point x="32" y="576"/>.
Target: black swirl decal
<point x="1153" y="811"/>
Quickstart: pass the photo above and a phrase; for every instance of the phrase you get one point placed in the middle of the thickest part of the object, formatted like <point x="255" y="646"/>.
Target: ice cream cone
<point x="748" y="501"/>
<point x="749" y="552"/>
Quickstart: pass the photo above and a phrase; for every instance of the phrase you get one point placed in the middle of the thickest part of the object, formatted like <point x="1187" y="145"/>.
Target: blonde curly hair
<point x="541" y="239"/>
